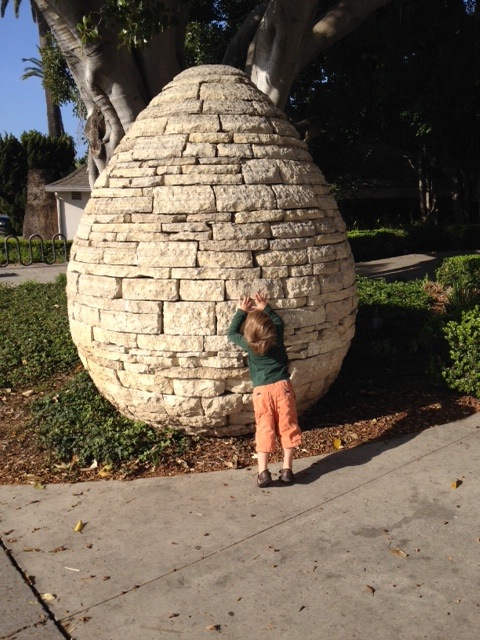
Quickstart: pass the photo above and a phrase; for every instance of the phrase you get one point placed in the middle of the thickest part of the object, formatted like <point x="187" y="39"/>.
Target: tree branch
<point x="335" y="23"/>
<point x="237" y="50"/>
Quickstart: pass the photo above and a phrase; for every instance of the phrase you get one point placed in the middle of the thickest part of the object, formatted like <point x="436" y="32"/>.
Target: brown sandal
<point x="264" y="479"/>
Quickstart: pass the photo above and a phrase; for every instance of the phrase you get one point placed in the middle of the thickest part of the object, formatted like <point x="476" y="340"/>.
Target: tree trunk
<point x="54" y="115"/>
<point x="115" y="83"/>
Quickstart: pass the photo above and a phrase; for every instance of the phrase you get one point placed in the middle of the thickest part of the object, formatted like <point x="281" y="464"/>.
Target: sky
<point x="22" y="102"/>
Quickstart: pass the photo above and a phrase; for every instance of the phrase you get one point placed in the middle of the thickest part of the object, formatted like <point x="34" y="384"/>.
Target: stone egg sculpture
<point x="209" y="196"/>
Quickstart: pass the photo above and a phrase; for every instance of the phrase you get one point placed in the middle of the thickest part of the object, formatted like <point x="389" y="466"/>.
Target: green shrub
<point x="463" y="338"/>
<point x="463" y="236"/>
<point x="35" y="342"/>
<point x="25" y="251"/>
<point x="377" y="243"/>
<point x="390" y="319"/>
<point x="462" y="271"/>
<point x="79" y="423"/>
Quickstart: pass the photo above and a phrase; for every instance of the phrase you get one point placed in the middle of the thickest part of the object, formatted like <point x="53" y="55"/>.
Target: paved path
<point x="371" y="543"/>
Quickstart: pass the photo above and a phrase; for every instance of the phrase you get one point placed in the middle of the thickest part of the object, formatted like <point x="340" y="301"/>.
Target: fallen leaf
<point x="456" y="483"/>
<point x="398" y="552"/>
<point x="337" y="444"/>
<point x="27" y="394"/>
<point x="370" y="589"/>
<point x="79" y="527"/>
<point x="213" y="627"/>
<point x="47" y="597"/>
<point x="39" y="486"/>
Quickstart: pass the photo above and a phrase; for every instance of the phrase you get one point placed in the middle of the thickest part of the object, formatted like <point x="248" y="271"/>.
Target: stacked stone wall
<point x="211" y="195"/>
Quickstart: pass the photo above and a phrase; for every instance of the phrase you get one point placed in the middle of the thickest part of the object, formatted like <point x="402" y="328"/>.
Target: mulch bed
<point x="354" y="412"/>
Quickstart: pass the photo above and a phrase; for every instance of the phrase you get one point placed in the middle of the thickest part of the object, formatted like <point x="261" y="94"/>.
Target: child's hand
<point x="245" y="304"/>
<point x="261" y="301"/>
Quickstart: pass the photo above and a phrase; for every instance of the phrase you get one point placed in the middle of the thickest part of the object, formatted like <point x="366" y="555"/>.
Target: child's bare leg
<point x="287" y="458"/>
<point x="262" y="457"/>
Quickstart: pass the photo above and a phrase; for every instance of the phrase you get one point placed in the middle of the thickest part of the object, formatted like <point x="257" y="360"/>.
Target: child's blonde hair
<point x="259" y="332"/>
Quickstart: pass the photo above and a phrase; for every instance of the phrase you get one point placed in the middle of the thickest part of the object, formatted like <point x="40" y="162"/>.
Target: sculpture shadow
<point x="364" y="453"/>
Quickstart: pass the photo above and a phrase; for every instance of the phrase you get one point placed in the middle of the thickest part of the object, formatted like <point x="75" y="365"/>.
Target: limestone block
<point x="123" y="253"/>
<point x="222" y="406"/>
<point x="183" y="405"/>
<point x="206" y="273"/>
<point x="170" y="255"/>
<point x="172" y="108"/>
<point x="180" y="199"/>
<point x="212" y="169"/>
<point x="113" y="209"/>
<point x="237" y="420"/>
<point x="217" y="344"/>
<point x="291" y="303"/>
<point x="117" y="338"/>
<point x="303" y="214"/>
<point x="301" y="286"/>
<point x="234" y="151"/>
<point x="116" y="193"/>
<point x="222" y="91"/>
<point x="275" y="272"/>
<point x="234" y="245"/>
<point x="286" y="244"/>
<point x="203" y="178"/>
<point x="199" y="388"/>
<point x="225" y="231"/>
<point x="306" y="317"/>
<point x="331" y="282"/>
<point x="88" y="254"/>
<point x="238" y="385"/>
<point x="275" y="258"/>
<point x="294" y="196"/>
<point x="323" y="253"/>
<point x="194" y="318"/>
<point x="286" y="152"/>
<point x="170" y="343"/>
<point x="203" y="150"/>
<point x="253" y="124"/>
<point x="131" y="322"/>
<point x="293" y="229"/>
<point x="300" y="270"/>
<point x="150" y="127"/>
<point x="156" y="148"/>
<point x="192" y="123"/>
<point x="81" y="332"/>
<point x="224" y="313"/>
<point x="269" y="215"/>
<point x="210" y="137"/>
<point x="207" y="290"/>
<point x="149" y="289"/>
<point x="229" y="259"/>
<point x="237" y="288"/>
<point x="261" y="172"/>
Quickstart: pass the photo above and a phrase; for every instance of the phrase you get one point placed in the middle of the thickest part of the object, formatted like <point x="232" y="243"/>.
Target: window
<point x="76" y="195"/>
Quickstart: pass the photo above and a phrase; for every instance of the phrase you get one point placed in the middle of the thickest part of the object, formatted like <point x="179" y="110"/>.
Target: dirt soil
<point x="354" y="412"/>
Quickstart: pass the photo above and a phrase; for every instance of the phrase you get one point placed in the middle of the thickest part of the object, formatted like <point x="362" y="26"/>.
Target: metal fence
<point x="16" y="251"/>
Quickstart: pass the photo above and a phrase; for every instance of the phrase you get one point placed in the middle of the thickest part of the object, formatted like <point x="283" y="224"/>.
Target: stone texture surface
<point x="210" y="195"/>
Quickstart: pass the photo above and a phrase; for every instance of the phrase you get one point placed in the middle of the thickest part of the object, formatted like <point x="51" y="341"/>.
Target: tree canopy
<point x="354" y="76"/>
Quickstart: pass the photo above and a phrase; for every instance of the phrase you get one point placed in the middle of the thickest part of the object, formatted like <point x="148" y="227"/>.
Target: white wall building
<point x="72" y="194"/>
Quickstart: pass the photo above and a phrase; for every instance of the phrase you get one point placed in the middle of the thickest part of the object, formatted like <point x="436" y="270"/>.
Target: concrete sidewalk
<point x="371" y="543"/>
<point x="17" y="274"/>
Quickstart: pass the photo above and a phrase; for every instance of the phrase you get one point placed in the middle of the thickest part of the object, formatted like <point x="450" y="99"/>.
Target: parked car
<point x="5" y="226"/>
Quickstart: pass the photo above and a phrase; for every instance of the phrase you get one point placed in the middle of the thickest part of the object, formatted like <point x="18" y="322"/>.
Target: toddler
<point x="273" y="395"/>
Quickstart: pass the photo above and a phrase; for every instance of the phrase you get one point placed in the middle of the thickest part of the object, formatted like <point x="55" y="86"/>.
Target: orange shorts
<point x="276" y="416"/>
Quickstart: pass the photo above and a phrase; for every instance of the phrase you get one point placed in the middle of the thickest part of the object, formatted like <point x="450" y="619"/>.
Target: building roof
<point x="75" y="181"/>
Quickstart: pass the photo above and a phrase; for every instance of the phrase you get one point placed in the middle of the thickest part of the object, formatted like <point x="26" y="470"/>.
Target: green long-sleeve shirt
<point x="273" y="365"/>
